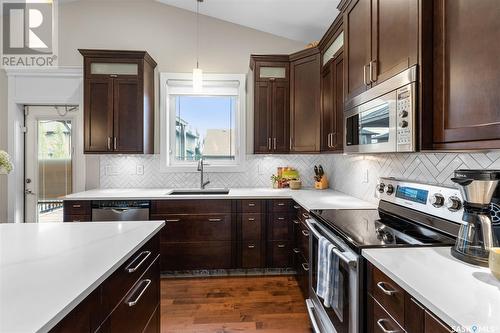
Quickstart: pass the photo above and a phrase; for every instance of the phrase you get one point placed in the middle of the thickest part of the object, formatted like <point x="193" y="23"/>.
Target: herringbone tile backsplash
<point x="347" y="173"/>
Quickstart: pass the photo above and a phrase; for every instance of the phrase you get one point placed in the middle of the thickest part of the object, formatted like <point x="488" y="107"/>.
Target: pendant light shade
<point x="197" y="72"/>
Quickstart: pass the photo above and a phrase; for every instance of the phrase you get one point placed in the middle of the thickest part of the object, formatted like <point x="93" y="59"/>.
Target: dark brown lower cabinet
<point x="251" y="254"/>
<point x="392" y="309"/>
<point x="127" y="301"/>
<point x="77" y="211"/>
<point x="197" y="255"/>
<point x="279" y="254"/>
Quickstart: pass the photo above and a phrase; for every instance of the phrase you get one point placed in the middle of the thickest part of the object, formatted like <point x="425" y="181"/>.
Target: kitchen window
<point x="208" y="123"/>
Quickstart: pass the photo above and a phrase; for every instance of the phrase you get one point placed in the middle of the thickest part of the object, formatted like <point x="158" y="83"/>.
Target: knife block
<point x="322" y="184"/>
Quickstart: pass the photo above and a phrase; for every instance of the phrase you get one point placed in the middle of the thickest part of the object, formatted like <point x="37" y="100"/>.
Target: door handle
<point x="214" y="220"/>
<point x="381" y="324"/>
<point x="114" y="143"/>
<point x="136" y="300"/>
<point x="274" y="143"/>
<point x="146" y="254"/>
<point x="388" y="292"/>
<point x="305" y="266"/>
<point x="269" y="143"/>
<point x="364" y="75"/>
<point x="29" y="192"/>
<point x="109" y="143"/>
<point x="373" y="65"/>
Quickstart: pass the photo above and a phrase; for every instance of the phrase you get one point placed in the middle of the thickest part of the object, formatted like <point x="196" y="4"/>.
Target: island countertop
<point x="46" y="269"/>
<point x="309" y="199"/>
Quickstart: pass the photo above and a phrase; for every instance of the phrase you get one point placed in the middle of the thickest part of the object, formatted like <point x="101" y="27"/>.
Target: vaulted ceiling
<point x="300" y="20"/>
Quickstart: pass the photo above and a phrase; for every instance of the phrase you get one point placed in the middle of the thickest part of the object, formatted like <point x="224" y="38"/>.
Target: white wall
<point x="3" y="143"/>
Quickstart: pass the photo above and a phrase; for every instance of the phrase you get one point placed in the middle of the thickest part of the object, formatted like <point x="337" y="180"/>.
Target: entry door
<point x="49" y="156"/>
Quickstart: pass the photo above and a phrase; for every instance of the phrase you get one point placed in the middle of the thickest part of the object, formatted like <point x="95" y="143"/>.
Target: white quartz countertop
<point x="46" y="269"/>
<point x="460" y="294"/>
<point x="308" y="198"/>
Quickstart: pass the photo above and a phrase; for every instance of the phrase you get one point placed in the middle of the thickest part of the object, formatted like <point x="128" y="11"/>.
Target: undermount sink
<point x="211" y="191"/>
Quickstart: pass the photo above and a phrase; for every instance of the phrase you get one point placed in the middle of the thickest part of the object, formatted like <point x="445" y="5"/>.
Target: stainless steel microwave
<point x="382" y="120"/>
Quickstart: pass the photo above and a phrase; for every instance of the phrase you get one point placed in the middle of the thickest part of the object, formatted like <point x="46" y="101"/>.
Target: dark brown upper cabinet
<point x="118" y="102"/>
<point x="305" y="112"/>
<point x="271" y="103"/>
<point x="466" y="113"/>
<point x="381" y="41"/>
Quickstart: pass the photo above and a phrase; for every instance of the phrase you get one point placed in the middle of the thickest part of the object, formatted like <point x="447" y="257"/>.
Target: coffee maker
<point x="480" y="192"/>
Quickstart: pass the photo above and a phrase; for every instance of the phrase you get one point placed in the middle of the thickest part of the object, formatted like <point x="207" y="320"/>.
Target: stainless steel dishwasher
<point x="120" y="210"/>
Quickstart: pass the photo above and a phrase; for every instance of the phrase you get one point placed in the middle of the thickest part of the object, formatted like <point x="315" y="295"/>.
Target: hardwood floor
<point x="234" y="304"/>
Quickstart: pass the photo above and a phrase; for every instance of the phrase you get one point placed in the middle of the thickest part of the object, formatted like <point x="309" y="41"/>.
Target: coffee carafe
<point x="476" y="235"/>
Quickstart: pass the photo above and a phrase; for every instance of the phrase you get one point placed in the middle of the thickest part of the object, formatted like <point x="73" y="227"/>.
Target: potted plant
<point x="5" y="163"/>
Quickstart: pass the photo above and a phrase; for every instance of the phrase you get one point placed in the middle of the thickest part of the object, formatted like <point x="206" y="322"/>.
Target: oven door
<point x="371" y="127"/>
<point x="324" y="319"/>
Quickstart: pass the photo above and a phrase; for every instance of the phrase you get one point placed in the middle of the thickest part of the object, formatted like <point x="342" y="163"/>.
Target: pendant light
<point x="197" y="72"/>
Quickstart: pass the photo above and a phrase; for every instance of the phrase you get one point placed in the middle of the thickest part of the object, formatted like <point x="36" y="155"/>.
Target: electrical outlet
<point x="139" y="169"/>
<point x="365" y="176"/>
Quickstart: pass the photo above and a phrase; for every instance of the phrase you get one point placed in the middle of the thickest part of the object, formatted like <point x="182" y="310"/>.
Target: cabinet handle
<point x="305" y="266"/>
<point x="114" y="143"/>
<point x="305" y="233"/>
<point x="146" y="254"/>
<point x="77" y="221"/>
<point x="373" y="66"/>
<point x="274" y="143"/>
<point x="296" y="221"/>
<point x="251" y="219"/>
<point x="251" y="205"/>
<point x="388" y="292"/>
<point x="364" y="75"/>
<point x="113" y="75"/>
<point x="281" y="218"/>
<point x="281" y="204"/>
<point x="134" y="302"/>
<point x="77" y="206"/>
<point x="381" y="324"/>
<point x="370" y="66"/>
<point x="306" y="216"/>
<point x="296" y="206"/>
<point x="173" y="220"/>
<point x="109" y="143"/>
<point x="290" y="143"/>
<point x="269" y="143"/>
<point x="296" y="250"/>
<point x="281" y="246"/>
<point x="251" y="246"/>
<point x="214" y="220"/>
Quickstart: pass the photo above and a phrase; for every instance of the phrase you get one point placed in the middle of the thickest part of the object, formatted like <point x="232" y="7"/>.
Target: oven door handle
<point x="342" y="256"/>
<point x="312" y="318"/>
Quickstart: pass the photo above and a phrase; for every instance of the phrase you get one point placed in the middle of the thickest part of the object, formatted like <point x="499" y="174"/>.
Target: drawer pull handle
<point x="251" y="219"/>
<point x="281" y="246"/>
<point x="305" y="266"/>
<point x="281" y="218"/>
<point x="173" y="220"/>
<point x="251" y="205"/>
<point x="77" y="221"/>
<point x="381" y="324"/>
<point x="296" y="221"/>
<point x="306" y="216"/>
<point x="296" y="250"/>
<point x="77" y="206"/>
<point x="251" y="246"/>
<point x="146" y="254"/>
<point x="386" y="291"/>
<point x="281" y="203"/>
<point x="305" y="233"/>
<point x="214" y="220"/>
<point x="134" y="302"/>
<point x="296" y="206"/>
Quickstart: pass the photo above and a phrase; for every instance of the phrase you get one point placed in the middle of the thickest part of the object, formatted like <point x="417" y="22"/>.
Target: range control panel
<point x="405" y="110"/>
<point x="440" y="201"/>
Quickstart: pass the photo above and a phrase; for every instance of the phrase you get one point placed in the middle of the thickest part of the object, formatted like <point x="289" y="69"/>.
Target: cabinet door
<point x="98" y="113"/>
<point x="327" y="106"/>
<point x="280" y="117"/>
<point x="466" y="74"/>
<point x="394" y="37"/>
<point x="433" y="325"/>
<point x="128" y="116"/>
<point x="262" y="116"/>
<point x="338" y="115"/>
<point x="305" y="113"/>
<point x="357" y="20"/>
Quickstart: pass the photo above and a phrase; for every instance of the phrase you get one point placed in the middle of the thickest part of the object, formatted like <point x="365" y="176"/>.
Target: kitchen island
<point x="48" y="270"/>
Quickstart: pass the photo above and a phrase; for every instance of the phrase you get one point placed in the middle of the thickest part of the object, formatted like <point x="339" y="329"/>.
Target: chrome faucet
<point x="201" y="164"/>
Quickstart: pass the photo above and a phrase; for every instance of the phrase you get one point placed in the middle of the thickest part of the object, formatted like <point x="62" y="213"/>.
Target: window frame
<point x="167" y="131"/>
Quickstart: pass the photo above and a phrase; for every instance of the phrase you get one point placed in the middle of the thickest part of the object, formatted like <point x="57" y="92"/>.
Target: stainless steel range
<point x="409" y="214"/>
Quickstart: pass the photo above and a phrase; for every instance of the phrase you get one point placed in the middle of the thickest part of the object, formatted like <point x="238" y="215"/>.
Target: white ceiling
<point x="301" y="20"/>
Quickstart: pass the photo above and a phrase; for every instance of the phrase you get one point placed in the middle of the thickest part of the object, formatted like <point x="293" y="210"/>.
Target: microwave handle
<point x="342" y="256"/>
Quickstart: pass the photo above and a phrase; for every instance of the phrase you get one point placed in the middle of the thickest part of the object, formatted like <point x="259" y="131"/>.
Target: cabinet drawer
<point x="190" y="256"/>
<point x="115" y="287"/>
<point x="251" y="255"/>
<point x="193" y="228"/>
<point x="388" y="294"/>
<point x="154" y="325"/>
<point x="136" y="308"/>
<point x="204" y="206"/>
<point x="280" y="226"/>
<point x="302" y="268"/>
<point x="434" y="325"/>
<point x="251" y="226"/>
<point x="383" y="322"/>
<point x="282" y="205"/>
<point x="77" y="208"/>
<point x="279" y="254"/>
<point x="77" y="218"/>
<point x="251" y="206"/>
<point x="303" y="240"/>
